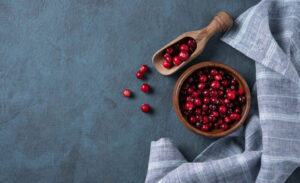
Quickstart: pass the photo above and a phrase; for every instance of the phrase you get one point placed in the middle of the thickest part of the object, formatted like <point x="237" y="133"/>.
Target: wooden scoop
<point x="221" y="23"/>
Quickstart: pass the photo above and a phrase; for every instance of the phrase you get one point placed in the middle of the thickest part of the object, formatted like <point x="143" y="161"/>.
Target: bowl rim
<point x="191" y="70"/>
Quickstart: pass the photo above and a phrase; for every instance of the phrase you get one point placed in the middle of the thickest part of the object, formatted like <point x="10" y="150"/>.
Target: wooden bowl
<point x="228" y="70"/>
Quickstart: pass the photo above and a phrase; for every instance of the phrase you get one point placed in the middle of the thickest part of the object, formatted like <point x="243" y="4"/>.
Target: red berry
<point x="203" y="78"/>
<point x="201" y="86"/>
<point x="206" y="100"/>
<point x="237" y="110"/>
<point x="189" y="106"/>
<point x="205" y="128"/>
<point x="145" y="108"/>
<point x="224" y="126"/>
<point x="197" y="101"/>
<point x="127" y="93"/>
<point x="145" y="87"/>
<point x="191" y="43"/>
<point x="183" y="55"/>
<point x="170" y="50"/>
<point x="232" y="116"/>
<point x="204" y="107"/>
<point x="139" y="75"/>
<point x="215" y="114"/>
<point x="198" y="111"/>
<point x="205" y="119"/>
<point x="206" y="93"/>
<point x="195" y="94"/>
<point x="241" y="91"/>
<point x="184" y="47"/>
<point x="167" y="64"/>
<point x="193" y="119"/>
<point x="190" y="90"/>
<point x="222" y="109"/>
<point x="231" y="95"/>
<point x="176" y="61"/>
<point x="242" y="99"/>
<point x="168" y="57"/>
<point x="215" y="84"/>
<point x="218" y="77"/>
<point x="227" y="119"/>
<point x="237" y="117"/>
<point x="144" y="68"/>
<point x="226" y="101"/>
<point x="213" y="72"/>
<point x="224" y="82"/>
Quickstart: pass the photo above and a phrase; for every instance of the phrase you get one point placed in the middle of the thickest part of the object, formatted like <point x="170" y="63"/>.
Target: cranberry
<point x="190" y="90"/>
<point x="234" y="81"/>
<point x="224" y="126"/>
<point x="237" y="117"/>
<point x="201" y="86"/>
<point x="176" y="60"/>
<point x="198" y="125"/>
<point x="206" y="100"/>
<point x="213" y="93"/>
<point x="218" y="77"/>
<point x="139" y="75"/>
<point x="183" y="55"/>
<point x="242" y="99"/>
<point x="189" y="106"/>
<point x="231" y="95"/>
<point x="144" y="68"/>
<point x="127" y="93"/>
<point x="224" y="82"/>
<point x="170" y="50"/>
<point x="232" y="87"/>
<point x="212" y="118"/>
<point x="214" y="100"/>
<point x="204" y="107"/>
<point x="220" y="93"/>
<point x="191" y="43"/>
<point x="228" y="90"/>
<point x="198" y="111"/>
<point x="215" y="84"/>
<point x="215" y="113"/>
<point x="184" y="47"/>
<point x="195" y="94"/>
<point x="145" y="108"/>
<point x="197" y="101"/>
<point x="232" y="116"/>
<point x="145" y="88"/>
<point x="227" y="119"/>
<point x="241" y="91"/>
<point x="168" y="57"/>
<point x="205" y="128"/>
<point x="226" y="101"/>
<point x="237" y="110"/>
<point x="206" y="93"/>
<point x="213" y="72"/>
<point x="203" y="78"/>
<point x="189" y="99"/>
<point x="193" y="119"/>
<point x="205" y="119"/>
<point x="167" y="64"/>
<point x="222" y="109"/>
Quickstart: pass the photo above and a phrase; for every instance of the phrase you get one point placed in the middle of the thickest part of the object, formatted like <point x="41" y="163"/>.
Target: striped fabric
<point x="267" y="149"/>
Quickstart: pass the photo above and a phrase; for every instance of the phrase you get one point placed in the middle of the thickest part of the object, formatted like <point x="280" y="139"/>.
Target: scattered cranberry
<point x="167" y="64"/>
<point x="176" y="60"/>
<point x="144" y="68"/>
<point x="145" y="88"/>
<point x="127" y="93"/>
<point x="139" y="75"/>
<point x="145" y="108"/>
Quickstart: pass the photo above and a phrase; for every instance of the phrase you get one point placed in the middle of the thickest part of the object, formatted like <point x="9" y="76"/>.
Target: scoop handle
<point x="221" y="23"/>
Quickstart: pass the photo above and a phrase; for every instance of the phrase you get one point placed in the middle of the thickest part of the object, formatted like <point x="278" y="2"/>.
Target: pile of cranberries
<point x="144" y="88"/>
<point x="211" y="99"/>
<point x="179" y="52"/>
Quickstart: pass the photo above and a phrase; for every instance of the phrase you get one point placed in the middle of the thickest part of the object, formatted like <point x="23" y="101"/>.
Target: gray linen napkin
<point x="267" y="149"/>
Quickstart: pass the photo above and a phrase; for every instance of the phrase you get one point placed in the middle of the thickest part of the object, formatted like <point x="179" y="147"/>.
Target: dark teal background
<point x="63" y="67"/>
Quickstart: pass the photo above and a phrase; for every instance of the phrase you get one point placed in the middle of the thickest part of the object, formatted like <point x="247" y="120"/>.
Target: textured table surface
<point x="63" y="67"/>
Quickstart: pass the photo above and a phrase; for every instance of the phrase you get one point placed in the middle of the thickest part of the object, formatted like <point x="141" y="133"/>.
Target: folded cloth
<point x="267" y="148"/>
